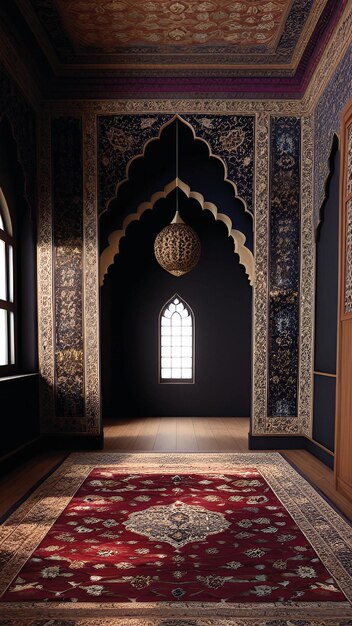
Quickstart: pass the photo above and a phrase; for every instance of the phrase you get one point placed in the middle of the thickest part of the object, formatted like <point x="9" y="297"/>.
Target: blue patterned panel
<point x="120" y="139"/>
<point x="230" y="137"/>
<point x="67" y="176"/>
<point x="284" y="266"/>
<point x="327" y="120"/>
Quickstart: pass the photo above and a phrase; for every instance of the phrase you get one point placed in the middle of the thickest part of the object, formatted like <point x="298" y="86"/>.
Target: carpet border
<point x="85" y="461"/>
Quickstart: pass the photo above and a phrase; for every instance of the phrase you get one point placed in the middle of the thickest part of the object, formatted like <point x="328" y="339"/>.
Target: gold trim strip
<point x="45" y="278"/>
<point x="90" y="277"/>
<point x="324" y="374"/>
<point x="307" y="283"/>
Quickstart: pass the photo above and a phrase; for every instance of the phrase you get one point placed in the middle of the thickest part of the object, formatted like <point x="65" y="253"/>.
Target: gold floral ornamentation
<point x="91" y="288"/>
<point x="348" y="271"/>
<point x="177" y="523"/>
<point x="307" y="285"/>
<point x="233" y="139"/>
<point x="45" y="280"/>
<point x="119" y="140"/>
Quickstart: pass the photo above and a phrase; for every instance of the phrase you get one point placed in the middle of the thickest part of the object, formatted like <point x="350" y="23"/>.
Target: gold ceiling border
<point x="307" y="32"/>
<point x="239" y="239"/>
<point x="45" y="283"/>
<point x="176" y="106"/>
<point x="332" y="55"/>
<point x="90" y="277"/>
<point x="307" y="283"/>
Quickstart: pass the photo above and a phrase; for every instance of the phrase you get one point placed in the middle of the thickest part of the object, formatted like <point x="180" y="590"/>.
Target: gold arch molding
<point x="197" y="138"/>
<point x="245" y="255"/>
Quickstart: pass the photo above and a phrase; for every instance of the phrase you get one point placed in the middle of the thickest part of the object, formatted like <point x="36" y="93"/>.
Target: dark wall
<point x="19" y="411"/>
<point x="219" y="294"/>
<point x="19" y="395"/>
<point x="326" y="304"/>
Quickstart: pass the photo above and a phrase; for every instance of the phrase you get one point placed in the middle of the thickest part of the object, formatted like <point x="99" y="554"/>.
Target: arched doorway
<point x="136" y="288"/>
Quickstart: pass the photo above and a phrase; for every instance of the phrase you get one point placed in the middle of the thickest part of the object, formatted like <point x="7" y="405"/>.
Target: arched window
<point x="7" y="298"/>
<point x="176" y="342"/>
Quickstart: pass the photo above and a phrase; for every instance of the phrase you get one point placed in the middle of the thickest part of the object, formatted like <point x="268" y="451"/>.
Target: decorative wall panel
<point x="91" y="279"/>
<point x="260" y="301"/>
<point x="327" y="119"/>
<point x="120" y="139"/>
<point x="348" y="269"/>
<point x="284" y="267"/>
<point x="230" y="137"/>
<point x="45" y="279"/>
<point x="349" y="161"/>
<point x="307" y="286"/>
<point x="285" y="164"/>
<point x="67" y="177"/>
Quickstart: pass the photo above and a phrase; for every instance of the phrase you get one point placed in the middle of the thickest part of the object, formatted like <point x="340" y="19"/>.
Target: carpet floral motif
<point x="177" y="523"/>
<point x="186" y="534"/>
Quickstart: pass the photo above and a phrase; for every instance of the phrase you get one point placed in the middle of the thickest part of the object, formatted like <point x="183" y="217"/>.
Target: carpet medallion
<point x="113" y="539"/>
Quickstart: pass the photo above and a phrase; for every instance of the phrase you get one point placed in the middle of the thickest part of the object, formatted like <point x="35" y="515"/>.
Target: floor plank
<point x="166" y="438"/>
<point x="170" y="434"/>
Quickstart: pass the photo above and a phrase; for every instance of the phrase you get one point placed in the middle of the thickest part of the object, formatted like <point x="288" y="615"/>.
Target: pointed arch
<point x="176" y="342"/>
<point x="245" y="255"/>
<point x="196" y="137"/>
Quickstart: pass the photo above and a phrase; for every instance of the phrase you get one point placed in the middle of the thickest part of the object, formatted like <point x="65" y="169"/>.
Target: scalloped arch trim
<point x="245" y="255"/>
<point x="141" y="155"/>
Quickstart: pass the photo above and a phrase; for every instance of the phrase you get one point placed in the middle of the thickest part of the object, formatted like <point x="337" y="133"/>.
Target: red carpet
<point x="114" y="539"/>
<point x="148" y="537"/>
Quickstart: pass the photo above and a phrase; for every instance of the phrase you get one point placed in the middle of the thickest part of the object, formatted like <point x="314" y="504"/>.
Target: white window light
<point x="176" y="342"/>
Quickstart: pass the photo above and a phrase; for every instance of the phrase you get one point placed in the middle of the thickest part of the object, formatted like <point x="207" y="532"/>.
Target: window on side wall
<point x="7" y="291"/>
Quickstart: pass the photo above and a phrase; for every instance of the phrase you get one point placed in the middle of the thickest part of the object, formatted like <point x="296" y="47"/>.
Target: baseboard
<point x="275" y="442"/>
<point x="73" y="441"/>
<point x="294" y="442"/>
<point x="323" y="455"/>
<point x="19" y="455"/>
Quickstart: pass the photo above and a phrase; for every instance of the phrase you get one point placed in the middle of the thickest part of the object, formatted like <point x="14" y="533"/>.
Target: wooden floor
<point x="181" y="434"/>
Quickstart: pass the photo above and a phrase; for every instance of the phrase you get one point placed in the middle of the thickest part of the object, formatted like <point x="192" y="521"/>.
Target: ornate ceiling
<point x="267" y="39"/>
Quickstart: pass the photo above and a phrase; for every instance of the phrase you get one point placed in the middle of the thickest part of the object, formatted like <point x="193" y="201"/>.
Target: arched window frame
<point x="178" y="380"/>
<point x="7" y="291"/>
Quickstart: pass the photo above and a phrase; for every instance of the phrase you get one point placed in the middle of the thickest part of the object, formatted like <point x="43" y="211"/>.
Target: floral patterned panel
<point x="348" y="269"/>
<point x="68" y="249"/>
<point x="231" y="137"/>
<point x="284" y="263"/>
<point x="120" y="139"/>
<point x="349" y="161"/>
<point x="130" y="537"/>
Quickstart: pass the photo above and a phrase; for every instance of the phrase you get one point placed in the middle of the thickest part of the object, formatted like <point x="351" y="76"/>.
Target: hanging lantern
<point x="177" y="247"/>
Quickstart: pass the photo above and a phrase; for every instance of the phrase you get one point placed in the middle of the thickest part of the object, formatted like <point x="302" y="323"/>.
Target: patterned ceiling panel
<point x="242" y="35"/>
<point x="108" y="25"/>
<point x="198" y="48"/>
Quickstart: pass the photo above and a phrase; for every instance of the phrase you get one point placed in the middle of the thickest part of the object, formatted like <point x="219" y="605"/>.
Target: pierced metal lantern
<point x="177" y="247"/>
